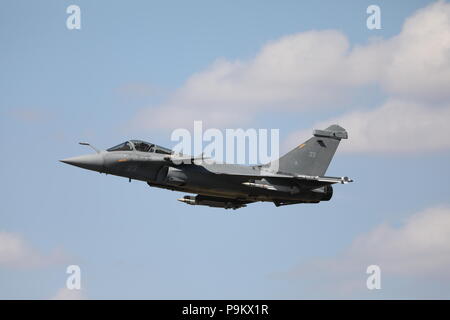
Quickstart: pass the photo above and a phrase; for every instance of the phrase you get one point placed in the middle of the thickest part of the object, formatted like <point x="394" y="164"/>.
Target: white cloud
<point x="413" y="64"/>
<point x="287" y="73"/>
<point x="421" y="246"/>
<point x="418" y="249"/>
<point x="66" y="294"/>
<point x="419" y="65"/>
<point x="315" y="69"/>
<point x="15" y="252"/>
<point x="395" y="127"/>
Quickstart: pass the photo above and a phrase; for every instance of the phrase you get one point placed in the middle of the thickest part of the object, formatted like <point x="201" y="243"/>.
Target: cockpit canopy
<point x="126" y="146"/>
<point x="140" y="146"/>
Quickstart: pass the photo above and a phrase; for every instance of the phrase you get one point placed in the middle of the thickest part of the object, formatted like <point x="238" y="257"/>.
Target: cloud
<point x="421" y="246"/>
<point x="15" y="252"/>
<point x="395" y="127"/>
<point x="288" y="73"/>
<point x="419" y="58"/>
<point x="418" y="248"/>
<point x="315" y="69"/>
<point x="66" y="294"/>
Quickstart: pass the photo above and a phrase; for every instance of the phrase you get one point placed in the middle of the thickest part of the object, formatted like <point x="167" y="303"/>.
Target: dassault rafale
<point x="296" y="177"/>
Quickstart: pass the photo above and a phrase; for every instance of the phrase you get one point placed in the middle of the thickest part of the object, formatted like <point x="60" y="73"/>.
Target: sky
<point x="141" y="69"/>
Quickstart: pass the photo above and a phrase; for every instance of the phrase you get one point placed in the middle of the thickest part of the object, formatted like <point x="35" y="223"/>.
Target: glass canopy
<point x="140" y="146"/>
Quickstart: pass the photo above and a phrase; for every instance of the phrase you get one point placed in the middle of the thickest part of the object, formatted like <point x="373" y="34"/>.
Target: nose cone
<point x="89" y="161"/>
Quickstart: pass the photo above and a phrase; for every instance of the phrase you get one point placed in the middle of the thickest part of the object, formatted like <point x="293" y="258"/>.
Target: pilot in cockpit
<point x="140" y="146"/>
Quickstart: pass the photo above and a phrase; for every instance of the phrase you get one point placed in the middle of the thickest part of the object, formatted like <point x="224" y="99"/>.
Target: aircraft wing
<point x="278" y="181"/>
<point x="322" y="179"/>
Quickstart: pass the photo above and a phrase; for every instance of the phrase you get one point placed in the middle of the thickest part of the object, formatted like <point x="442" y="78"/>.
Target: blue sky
<point x="128" y="73"/>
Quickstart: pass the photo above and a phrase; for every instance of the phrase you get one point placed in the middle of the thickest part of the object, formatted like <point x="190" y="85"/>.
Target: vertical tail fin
<point x="313" y="156"/>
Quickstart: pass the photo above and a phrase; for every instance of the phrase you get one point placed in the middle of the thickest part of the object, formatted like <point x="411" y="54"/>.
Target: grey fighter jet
<point x="296" y="177"/>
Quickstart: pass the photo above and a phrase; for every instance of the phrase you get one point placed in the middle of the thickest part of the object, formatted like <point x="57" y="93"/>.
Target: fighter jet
<point x="296" y="177"/>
